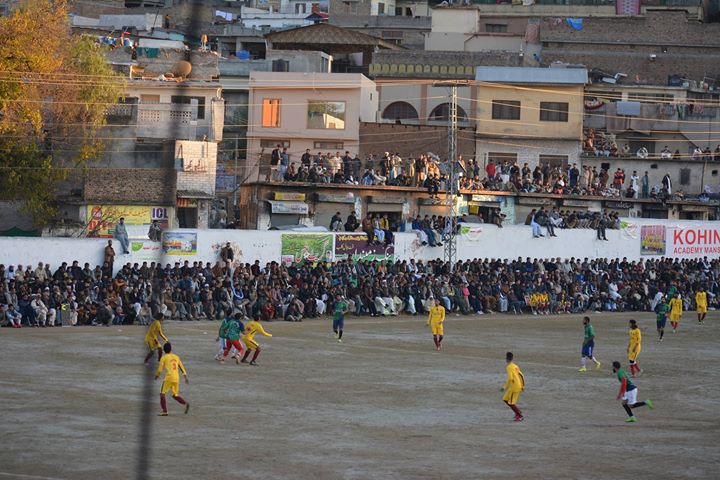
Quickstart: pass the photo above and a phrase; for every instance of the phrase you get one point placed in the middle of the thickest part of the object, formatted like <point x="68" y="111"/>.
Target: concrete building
<point x="530" y="115"/>
<point x="403" y="30"/>
<point x="466" y="29"/>
<point x="319" y="112"/>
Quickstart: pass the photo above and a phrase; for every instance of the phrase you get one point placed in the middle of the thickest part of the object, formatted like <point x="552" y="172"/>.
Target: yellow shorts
<point x="153" y="344"/>
<point x="674" y="317"/>
<point x="701" y="309"/>
<point x="170" y="385"/>
<point x="511" y="397"/>
<point x="438" y="330"/>
<point x="632" y="355"/>
<point x="250" y="343"/>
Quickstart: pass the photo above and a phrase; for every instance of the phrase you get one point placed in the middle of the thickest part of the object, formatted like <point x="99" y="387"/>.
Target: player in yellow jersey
<point x="152" y="336"/>
<point x="248" y="339"/>
<point x="436" y="319"/>
<point x="676" y="308"/>
<point x="513" y="386"/>
<point x="171" y="363"/>
<point x="701" y="304"/>
<point x="634" y="347"/>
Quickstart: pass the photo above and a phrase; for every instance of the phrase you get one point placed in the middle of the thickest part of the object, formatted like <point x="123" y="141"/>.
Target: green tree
<point x="54" y="91"/>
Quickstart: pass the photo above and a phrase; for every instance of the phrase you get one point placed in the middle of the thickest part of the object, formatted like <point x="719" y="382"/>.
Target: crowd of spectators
<point x="425" y="172"/>
<point x="83" y="295"/>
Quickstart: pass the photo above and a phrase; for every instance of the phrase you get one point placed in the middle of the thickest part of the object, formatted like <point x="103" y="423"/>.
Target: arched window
<point x="442" y="113"/>
<point x="400" y="111"/>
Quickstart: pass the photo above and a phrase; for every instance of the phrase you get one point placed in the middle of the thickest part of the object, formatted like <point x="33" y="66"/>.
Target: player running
<point x="513" y="386"/>
<point x="628" y="393"/>
<point x="661" y="310"/>
<point x="232" y="337"/>
<point x="151" y="337"/>
<point x="171" y="363"/>
<point x="634" y="347"/>
<point x="248" y="339"/>
<point x="222" y="339"/>
<point x="676" y="309"/>
<point x="339" y="310"/>
<point x="436" y="320"/>
<point x="588" y="346"/>
<point x="701" y="305"/>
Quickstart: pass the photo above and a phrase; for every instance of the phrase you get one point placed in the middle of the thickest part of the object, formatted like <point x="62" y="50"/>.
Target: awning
<point x="287" y="207"/>
<point x="473" y="203"/>
<point x="199" y="194"/>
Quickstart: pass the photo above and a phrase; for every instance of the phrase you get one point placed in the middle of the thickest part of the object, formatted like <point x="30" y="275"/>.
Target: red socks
<point x="163" y="403"/>
<point x="257" y="352"/>
<point x="516" y="410"/>
<point x="247" y="354"/>
<point x="179" y="399"/>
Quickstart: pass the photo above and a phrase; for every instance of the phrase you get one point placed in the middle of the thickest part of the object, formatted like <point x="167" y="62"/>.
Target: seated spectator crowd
<point x="74" y="295"/>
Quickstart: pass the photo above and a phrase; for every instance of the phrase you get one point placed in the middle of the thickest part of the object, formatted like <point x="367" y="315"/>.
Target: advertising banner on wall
<point x="179" y="243"/>
<point x="300" y="248"/>
<point x="355" y="247"/>
<point x="652" y="240"/>
<point x="145" y="251"/>
<point x="102" y="219"/>
<point x="694" y="241"/>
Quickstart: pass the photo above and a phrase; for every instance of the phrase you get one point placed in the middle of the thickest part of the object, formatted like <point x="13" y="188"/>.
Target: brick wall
<point x="624" y="44"/>
<point x="412" y="140"/>
<point x="199" y="160"/>
<point x="130" y="186"/>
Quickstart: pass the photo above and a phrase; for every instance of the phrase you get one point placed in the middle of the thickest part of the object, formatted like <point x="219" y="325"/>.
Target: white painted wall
<point x="487" y="242"/>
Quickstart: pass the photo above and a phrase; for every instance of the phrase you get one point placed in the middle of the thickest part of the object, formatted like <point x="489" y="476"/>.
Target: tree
<point x="54" y="91"/>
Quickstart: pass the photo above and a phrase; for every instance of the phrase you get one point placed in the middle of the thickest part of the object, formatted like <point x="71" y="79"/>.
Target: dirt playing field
<point x="381" y="405"/>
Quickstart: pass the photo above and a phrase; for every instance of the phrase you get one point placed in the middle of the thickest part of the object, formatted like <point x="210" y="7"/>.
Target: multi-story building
<point x="530" y="115"/>
<point x="306" y="111"/>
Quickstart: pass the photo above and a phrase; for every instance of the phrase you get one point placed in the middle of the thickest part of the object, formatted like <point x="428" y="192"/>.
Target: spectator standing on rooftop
<point x="121" y="236"/>
<point x="645" y="185"/>
<point x="667" y="183"/>
<point x="284" y="163"/>
<point x="109" y="255"/>
<point x="155" y="232"/>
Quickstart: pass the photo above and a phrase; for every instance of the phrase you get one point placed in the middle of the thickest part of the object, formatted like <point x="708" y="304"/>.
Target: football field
<point x="381" y="405"/>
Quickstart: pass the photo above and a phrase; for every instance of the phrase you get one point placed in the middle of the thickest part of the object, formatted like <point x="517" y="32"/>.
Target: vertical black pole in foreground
<point x="145" y="431"/>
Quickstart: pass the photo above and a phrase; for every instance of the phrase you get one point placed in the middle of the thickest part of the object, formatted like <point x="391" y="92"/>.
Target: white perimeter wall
<point x="486" y="241"/>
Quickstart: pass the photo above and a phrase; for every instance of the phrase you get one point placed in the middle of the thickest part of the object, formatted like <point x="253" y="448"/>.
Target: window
<point x="381" y="9"/>
<point x="442" y="113"/>
<point x="500" y="157"/>
<point x="399" y="111"/>
<point x="299" y="8"/>
<point x="186" y="100"/>
<point x="505" y="110"/>
<point x="398" y="11"/>
<point x="496" y="28"/>
<point x="553" y="112"/>
<point x="326" y="115"/>
<point x="555" y="161"/>
<point x="270" y="113"/>
<point x="328" y="145"/>
<point x="684" y="176"/>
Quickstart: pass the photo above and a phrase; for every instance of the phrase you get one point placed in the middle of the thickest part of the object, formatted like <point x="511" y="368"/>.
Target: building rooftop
<point x="531" y="75"/>
<point x="130" y="186"/>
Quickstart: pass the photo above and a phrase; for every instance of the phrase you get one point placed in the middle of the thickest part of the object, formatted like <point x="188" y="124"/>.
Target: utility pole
<point x="453" y="175"/>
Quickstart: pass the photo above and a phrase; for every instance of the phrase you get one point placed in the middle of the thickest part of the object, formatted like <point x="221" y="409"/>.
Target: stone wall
<point x="130" y="186"/>
<point x="199" y="160"/>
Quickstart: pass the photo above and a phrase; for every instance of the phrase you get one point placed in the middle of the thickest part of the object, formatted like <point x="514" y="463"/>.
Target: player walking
<point x="171" y="363"/>
<point x="701" y="304"/>
<point x="339" y="310"/>
<point x="588" y="346"/>
<point x="628" y="393"/>
<point x="513" y="386"/>
<point x="661" y="310"/>
<point x="151" y="338"/>
<point x="232" y="337"/>
<point x="676" y="309"/>
<point x="634" y="347"/>
<point x="436" y="320"/>
<point x="248" y="339"/>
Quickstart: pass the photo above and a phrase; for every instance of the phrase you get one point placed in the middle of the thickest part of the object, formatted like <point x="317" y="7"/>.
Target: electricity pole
<point x="453" y="176"/>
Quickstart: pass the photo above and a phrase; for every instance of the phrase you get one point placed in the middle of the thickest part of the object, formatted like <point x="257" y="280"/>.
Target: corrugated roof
<point x="530" y="75"/>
